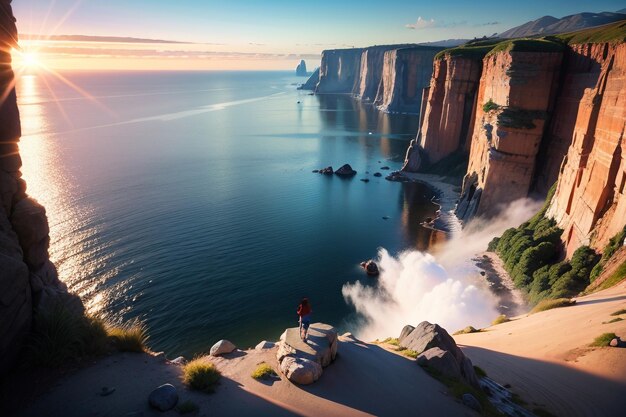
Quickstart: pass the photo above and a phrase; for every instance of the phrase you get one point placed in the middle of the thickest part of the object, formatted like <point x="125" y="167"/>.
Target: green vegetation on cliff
<point x="614" y="32"/>
<point x="609" y="250"/>
<point x="530" y="254"/>
<point x="472" y="50"/>
<point x="528" y="45"/>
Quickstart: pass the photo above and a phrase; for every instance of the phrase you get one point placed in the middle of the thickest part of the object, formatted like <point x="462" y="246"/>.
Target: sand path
<point x="364" y="380"/>
<point x="547" y="359"/>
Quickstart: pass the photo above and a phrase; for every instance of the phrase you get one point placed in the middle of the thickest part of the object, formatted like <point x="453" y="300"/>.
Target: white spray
<point x="415" y="286"/>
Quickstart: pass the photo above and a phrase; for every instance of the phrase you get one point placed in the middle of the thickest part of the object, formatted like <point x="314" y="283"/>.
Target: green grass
<point x="528" y="45"/>
<point x="131" y="337"/>
<point x="187" y="407"/>
<point x="544" y="305"/>
<point x="391" y="341"/>
<point x="409" y="353"/>
<point x="609" y="250"/>
<point x="615" y="278"/>
<point x="201" y="375"/>
<point x="614" y="32"/>
<point x="490" y="105"/>
<point x="263" y="371"/>
<point x="500" y="319"/>
<point x="615" y="320"/>
<point x="467" y="330"/>
<point x="472" y="50"/>
<point x="480" y="372"/>
<point x="604" y="339"/>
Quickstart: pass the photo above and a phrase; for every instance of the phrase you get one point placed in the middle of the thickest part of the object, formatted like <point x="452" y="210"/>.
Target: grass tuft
<point x="604" y="339"/>
<point x="490" y="105"/>
<point x="201" y="375"/>
<point x="502" y="318"/>
<point x="544" y="305"/>
<point x="187" y="407"/>
<point x="131" y="337"/>
<point x="467" y="330"/>
<point x="615" y="320"/>
<point x="391" y="341"/>
<point x="619" y="312"/>
<point x="409" y="353"/>
<point x="263" y="371"/>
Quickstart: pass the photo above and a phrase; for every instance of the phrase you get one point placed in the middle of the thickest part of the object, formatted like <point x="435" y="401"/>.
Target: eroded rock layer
<point x="515" y="100"/>
<point x="28" y="280"/>
<point x="370" y="74"/>
<point x="406" y="73"/>
<point x="589" y="203"/>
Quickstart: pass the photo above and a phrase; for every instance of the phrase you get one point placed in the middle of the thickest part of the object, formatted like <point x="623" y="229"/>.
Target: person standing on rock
<point x="304" y="312"/>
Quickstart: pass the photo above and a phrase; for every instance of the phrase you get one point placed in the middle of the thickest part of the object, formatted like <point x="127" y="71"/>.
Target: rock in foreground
<point x="222" y="347"/>
<point x="302" y="362"/>
<point x="345" y="171"/>
<point x="437" y="349"/>
<point x="164" y="397"/>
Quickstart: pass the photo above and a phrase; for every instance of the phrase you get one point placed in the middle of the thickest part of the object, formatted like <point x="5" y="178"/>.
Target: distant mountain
<point x="549" y="25"/>
<point x="448" y="43"/>
<point x="622" y="11"/>
<point x="90" y="38"/>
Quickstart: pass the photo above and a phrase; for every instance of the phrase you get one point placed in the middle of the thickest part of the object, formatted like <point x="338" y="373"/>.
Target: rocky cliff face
<point x="590" y="202"/>
<point x="448" y="119"/>
<point x="28" y="280"/>
<point x="311" y="83"/>
<point x="405" y="74"/>
<point x="370" y="74"/>
<point x="515" y="100"/>
<point x="339" y="71"/>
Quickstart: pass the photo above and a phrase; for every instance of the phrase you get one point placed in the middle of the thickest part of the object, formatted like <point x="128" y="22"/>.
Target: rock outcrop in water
<point x="28" y="280"/>
<point x="406" y="73"/>
<point x="301" y="69"/>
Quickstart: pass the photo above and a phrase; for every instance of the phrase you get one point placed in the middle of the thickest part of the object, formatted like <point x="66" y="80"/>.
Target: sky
<point x="261" y="34"/>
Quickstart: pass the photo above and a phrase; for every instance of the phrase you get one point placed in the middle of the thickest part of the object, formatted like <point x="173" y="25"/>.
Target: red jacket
<point x="304" y="310"/>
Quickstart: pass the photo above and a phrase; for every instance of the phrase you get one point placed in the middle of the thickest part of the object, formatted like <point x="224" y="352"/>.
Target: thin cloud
<point x="422" y="24"/>
<point x="488" y="23"/>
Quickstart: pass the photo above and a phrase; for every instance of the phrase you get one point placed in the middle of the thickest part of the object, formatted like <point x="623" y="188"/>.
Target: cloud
<point x="495" y="22"/>
<point x="422" y="24"/>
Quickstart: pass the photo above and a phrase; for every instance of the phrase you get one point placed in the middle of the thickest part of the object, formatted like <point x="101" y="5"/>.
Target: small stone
<point x="164" y="397"/>
<point x="315" y="171"/>
<point x="264" y="345"/>
<point x="346" y="171"/>
<point x="385" y="217"/>
<point x="385" y="167"/>
<point x="179" y="360"/>
<point x="614" y="342"/>
<point x="378" y="174"/>
<point x="365" y="180"/>
<point x="470" y="401"/>
<point x="326" y="171"/>
<point x="222" y="347"/>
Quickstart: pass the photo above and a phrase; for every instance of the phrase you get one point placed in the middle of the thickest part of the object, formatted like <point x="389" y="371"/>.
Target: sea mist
<point x="444" y="287"/>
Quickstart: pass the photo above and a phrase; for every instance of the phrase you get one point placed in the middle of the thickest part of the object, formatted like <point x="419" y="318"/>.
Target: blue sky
<point x="289" y="27"/>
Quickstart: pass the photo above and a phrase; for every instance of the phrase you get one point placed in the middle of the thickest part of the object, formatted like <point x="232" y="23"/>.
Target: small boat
<point x="370" y="267"/>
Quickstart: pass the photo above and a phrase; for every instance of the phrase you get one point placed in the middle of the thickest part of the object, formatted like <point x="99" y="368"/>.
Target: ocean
<point x="187" y="199"/>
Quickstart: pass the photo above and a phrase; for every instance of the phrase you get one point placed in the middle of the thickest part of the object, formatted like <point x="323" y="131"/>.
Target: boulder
<point x="370" y="267"/>
<point x="345" y="171"/>
<point x="300" y="370"/>
<point x="179" y="360"/>
<point x="406" y="330"/>
<point x="427" y="336"/>
<point x="441" y="361"/>
<point x="326" y="171"/>
<point x="264" y="345"/>
<point x="222" y="347"/>
<point x="378" y="174"/>
<point x="321" y="348"/>
<point x="614" y="342"/>
<point x="163" y="398"/>
<point x="470" y="401"/>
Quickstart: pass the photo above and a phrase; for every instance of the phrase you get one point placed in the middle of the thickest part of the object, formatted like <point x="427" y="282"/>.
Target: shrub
<point x="467" y="330"/>
<point x="604" y="339"/>
<point x="201" y="375"/>
<point x="619" y="312"/>
<point x="550" y="304"/>
<point x="263" y="371"/>
<point x="616" y="277"/>
<point x="489" y="106"/>
<point x="391" y="341"/>
<point x="409" y="353"/>
<point x="131" y="337"/>
<point x="500" y="319"/>
<point x="187" y="407"/>
<point x="609" y="250"/>
<point x="615" y="320"/>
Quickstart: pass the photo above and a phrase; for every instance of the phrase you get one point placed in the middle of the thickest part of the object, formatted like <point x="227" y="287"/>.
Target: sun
<point x="27" y="60"/>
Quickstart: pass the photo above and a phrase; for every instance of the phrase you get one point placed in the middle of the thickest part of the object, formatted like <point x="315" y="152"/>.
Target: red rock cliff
<point x="28" y="280"/>
<point x="590" y="202"/>
<point x="520" y="88"/>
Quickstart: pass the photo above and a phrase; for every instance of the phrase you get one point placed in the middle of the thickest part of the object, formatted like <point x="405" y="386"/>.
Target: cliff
<point x="405" y="74"/>
<point x="311" y="83"/>
<point x="339" y="71"/>
<point x="515" y="99"/>
<point x="590" y="204"/>
<point x="371" y="71"/>
<point x="29" y="284"/>
<point x="301" y="69"/>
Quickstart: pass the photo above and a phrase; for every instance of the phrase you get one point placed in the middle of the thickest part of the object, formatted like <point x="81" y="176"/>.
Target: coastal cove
<point x="187" y="199"/>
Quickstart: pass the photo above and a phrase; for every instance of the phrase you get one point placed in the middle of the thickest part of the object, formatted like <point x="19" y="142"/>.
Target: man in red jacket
<point x="304" y="312"/>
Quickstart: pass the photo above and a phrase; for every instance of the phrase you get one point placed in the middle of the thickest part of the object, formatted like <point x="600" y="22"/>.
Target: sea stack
<point x="301" y="69"/>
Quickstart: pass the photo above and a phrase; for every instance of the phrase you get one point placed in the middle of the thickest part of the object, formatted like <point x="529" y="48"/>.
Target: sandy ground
<point x="365" y="379"/>
<point x="546" y="357"/>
